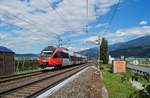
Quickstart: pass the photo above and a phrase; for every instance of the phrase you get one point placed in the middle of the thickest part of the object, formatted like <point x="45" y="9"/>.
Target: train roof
<point x="4" y="49"/>
<point x="49" y="48"/>
<point x="64" y="48"/>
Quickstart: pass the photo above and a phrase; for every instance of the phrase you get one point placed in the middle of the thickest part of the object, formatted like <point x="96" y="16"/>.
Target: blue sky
<point x="27" y="26"/>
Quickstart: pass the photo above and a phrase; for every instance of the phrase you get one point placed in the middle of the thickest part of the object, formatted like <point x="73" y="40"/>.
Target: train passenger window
<point x="72" y="58"/>
<point x="61" y="55"/>
<point x="65" y="55"/>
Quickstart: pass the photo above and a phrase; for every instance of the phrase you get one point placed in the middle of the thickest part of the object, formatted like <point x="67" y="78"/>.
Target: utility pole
<point x="86" y="26"/>
<point x="98" y="58"/>
<point x="98" y="43"/>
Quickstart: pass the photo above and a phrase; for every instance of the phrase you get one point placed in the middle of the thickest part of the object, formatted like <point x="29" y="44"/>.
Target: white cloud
<point x="101" y="25"/>
<point x="92" y="39"/>
<point x="105" y="6"/>
<point x="77" y="49"/>
<point x="40" y="22"/>
<point x="143" y="22"/>
<point x="122" y="35"/>
<point x="81" y="49"/>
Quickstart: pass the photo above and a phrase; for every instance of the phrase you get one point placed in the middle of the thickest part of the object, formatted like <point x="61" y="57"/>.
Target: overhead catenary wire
<point x="24" y="20"/>
<point x="33" y="23"/>
<point x="86" y="17"/>
<point x="112" y="17"/>
<point x="66" y="21"/>
<point x="28" y="21"/>
<point x="62" y="16"/>
<point x="87" y="14"/>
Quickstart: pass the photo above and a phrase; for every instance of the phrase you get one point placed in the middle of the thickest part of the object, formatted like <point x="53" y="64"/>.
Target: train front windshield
<point x="46" y="54"/>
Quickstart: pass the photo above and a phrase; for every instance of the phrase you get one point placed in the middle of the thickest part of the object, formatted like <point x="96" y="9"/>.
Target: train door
<point x="66" y="60"/>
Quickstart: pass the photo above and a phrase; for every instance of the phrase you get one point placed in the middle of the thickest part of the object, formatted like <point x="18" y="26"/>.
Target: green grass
<point x="115" y="86"/>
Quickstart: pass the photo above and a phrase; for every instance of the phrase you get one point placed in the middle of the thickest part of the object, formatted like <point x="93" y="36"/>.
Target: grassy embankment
<point x="115" y="86"/>
<point x="118" y="84"/>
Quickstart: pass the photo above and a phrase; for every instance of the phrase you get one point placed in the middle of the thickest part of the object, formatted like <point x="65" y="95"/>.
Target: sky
<point x="27" y="26"/>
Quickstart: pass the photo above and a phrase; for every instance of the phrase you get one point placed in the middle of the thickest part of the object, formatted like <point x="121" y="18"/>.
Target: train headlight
<point x="44" y="60"/>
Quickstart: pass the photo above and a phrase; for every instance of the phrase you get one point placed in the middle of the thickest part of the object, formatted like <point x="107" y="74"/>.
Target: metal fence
<point x="26" y="64"/>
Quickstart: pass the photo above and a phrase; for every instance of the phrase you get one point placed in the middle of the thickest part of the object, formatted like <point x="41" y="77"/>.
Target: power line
<point x="87" y="15"/>
<point x="58" y="37"/>
<point x="112" y="17"/>
<point x="33" y="23"/>
<point x="28" y="21"/>
<point x="18" y="18"/>
<point x="61" y="15"/>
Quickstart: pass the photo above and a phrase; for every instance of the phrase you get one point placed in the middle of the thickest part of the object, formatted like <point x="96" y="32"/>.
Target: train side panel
<point x="57" y="57"/>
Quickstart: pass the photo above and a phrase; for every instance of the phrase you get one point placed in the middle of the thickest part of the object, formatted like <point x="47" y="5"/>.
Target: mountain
<point x="141" y="51"/>
<point x="27" y="55"/>
<point x="139" y="47"/>
<point x="142" y="41"/>
<point x="92" y="52"/>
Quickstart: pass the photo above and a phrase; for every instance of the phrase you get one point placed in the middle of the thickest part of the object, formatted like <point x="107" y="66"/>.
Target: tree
<point x="104" y="56"/>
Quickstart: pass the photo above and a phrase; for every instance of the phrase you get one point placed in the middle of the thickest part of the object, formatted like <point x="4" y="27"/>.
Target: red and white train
<point x="55" y="57"/>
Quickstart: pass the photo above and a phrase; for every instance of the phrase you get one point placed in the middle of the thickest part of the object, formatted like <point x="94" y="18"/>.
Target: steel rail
<point x="9" y="91"/>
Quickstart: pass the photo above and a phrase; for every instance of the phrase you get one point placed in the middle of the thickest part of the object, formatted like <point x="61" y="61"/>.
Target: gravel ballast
<point x="85" y="85"/>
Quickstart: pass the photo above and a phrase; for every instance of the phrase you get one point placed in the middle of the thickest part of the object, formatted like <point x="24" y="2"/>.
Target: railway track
<point x="15" y="75"/>
<point x="18" y="76"/>
<point x="30" y="88"/>
<point x="23" y="75"/>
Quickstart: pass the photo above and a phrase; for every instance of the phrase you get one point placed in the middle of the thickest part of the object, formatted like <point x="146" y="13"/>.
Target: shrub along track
<point x="34" y="86"/>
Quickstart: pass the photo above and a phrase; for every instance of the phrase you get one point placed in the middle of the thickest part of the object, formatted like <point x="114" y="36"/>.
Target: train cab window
<point x="58" y="55"/>
<point x="46" y="54"/>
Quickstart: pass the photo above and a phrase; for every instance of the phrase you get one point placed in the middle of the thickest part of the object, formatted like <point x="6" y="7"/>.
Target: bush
<point x="136" y="77"/>
<point x="145" y="93"/>
<point x="101" y="68"/>
<point x="147" y="77"/>
<point x="126" y="76"/>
